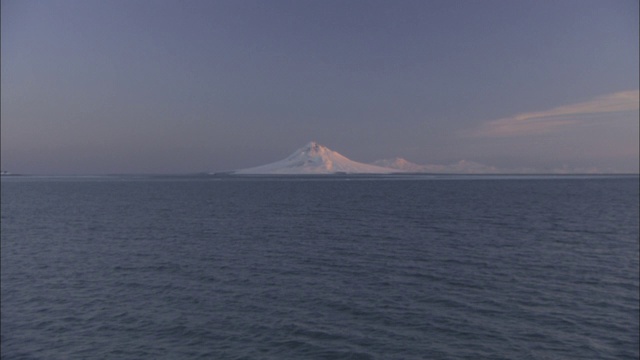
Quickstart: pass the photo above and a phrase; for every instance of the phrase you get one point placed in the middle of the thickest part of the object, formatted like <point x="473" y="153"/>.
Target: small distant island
<point x="316" y="159"/>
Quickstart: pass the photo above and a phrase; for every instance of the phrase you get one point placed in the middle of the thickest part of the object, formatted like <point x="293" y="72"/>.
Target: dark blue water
<point x="320" y="268"/>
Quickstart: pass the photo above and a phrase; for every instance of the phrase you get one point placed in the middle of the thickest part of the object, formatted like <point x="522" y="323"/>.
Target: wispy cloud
<point x="548" y="120"/>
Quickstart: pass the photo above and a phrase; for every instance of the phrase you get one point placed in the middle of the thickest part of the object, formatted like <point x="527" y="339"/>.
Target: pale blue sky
<point x="149" y="86"/>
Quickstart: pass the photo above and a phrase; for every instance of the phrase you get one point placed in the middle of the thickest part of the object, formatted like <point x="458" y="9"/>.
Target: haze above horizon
<point x="98" y="87"/>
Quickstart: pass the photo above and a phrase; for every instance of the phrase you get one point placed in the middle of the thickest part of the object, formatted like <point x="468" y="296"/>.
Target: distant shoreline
<point x="398" y="175"/>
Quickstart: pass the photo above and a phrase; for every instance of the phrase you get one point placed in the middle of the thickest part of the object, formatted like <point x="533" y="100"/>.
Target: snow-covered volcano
<point x="314" y="158"/>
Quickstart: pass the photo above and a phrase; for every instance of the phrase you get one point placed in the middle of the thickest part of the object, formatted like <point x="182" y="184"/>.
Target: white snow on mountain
<point x="314" y="158"/>
<point x="399" y="164"/>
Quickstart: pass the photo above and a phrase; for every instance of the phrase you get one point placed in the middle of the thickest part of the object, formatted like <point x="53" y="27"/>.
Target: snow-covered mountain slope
<point x="314" y="158"/>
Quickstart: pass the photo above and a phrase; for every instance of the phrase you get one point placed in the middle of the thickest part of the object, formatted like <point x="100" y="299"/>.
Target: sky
<point x="153" y="86"/>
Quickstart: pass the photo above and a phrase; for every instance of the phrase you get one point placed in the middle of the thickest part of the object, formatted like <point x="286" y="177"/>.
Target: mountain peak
<point x="312" y="144"/>
<point x="314" y="148"/>
<point x="314" y="158"/>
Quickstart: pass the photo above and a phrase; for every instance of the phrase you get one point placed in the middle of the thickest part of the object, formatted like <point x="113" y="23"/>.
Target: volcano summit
<point x="314" y="158"/>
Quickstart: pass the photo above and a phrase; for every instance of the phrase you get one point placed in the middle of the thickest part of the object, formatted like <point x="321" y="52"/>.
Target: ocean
<point x="329" y="267"/>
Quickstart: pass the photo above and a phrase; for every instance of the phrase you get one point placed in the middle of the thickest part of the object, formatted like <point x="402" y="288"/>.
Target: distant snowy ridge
<point x="461" y="167"/>
<point x="314" y="158"/>
<point x="399" y="164"/>
<point x="475" y="168"/>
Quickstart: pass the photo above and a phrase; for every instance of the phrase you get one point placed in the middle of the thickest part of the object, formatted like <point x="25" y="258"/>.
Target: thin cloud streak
<point x="541" y="122"/>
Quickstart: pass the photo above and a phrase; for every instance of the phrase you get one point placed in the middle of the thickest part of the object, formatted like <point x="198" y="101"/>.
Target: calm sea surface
<point x="320" y="268"/>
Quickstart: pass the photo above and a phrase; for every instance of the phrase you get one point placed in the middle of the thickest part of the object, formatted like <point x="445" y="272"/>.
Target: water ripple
<point x="248" y="269"/>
